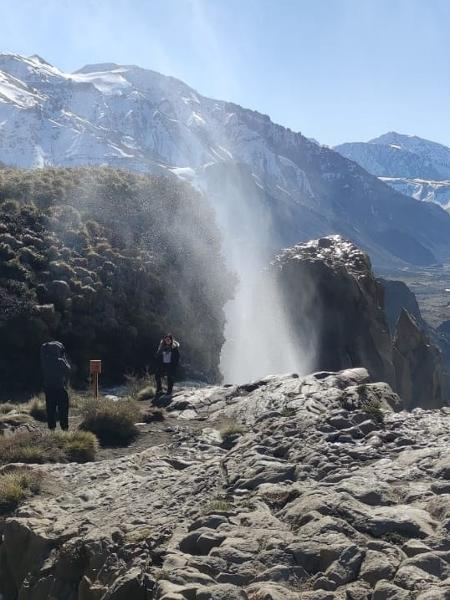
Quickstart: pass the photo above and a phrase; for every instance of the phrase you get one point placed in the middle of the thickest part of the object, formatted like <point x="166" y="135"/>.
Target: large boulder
<point x="330" y="290"/>
<point x="337" y="306"/>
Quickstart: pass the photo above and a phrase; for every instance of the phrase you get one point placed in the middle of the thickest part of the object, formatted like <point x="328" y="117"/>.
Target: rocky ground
<point x="310" y="492"/>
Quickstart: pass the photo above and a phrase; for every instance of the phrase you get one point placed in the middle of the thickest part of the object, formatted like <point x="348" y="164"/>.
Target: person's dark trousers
<point x="169" y="372"/>
<point x="57" y="401"/>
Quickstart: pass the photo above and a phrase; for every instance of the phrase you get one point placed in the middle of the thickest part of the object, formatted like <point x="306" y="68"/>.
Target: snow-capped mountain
<point x="271" y="179"/>
<point x="410" y="164"/>
<point x="422" y="189"/>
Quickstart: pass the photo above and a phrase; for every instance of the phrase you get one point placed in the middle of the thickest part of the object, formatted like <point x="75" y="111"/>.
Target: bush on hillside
<point x="107" y="261"/>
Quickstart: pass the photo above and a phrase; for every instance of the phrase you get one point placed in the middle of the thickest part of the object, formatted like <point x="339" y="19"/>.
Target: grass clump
<point x="48" y="447"/>
<point x="373" y="409"/>
<point x="219" y="505"/>
<point x="79" y="446"/>
<point x="7" y="407"/>
<point x="140" y="387"/>
<point x="153" y="415"/>
<point x="230" y="429"/>
<point x="113" y="422"/>
<point x="15" y="486"/>
<point x="288" y="411"/>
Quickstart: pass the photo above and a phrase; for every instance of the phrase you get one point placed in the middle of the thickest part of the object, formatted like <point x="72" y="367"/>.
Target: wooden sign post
<point x="95" y="368"/>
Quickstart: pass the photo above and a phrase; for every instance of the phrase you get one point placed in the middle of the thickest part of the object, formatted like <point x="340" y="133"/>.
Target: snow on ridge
<point x="106" y="82"/>
<point x="138" y="119"/>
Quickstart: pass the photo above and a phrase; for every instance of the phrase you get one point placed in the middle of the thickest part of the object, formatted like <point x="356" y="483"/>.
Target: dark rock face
<point x="419" y="367"/>
<point x="329" y="288"/>
<point x="331" y="292"/>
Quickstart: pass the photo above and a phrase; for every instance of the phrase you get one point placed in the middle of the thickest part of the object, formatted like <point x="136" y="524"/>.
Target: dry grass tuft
<point x="231" y="428"/>
<point x="7" y="407"/>
<point x="48" y="447"/>
<point x="113" y="422"/>
<point x="15" y="486"/>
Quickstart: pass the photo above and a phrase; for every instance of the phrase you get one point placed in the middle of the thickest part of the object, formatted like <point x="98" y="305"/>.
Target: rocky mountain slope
<point x="409" y="164"/>
<point x="137" y="119"/>
<point x="107" y="261"/>
<point x="318" y="497"/>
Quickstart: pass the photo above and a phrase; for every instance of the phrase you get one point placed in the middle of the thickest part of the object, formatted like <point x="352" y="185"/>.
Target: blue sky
<point x="336" y="70"/>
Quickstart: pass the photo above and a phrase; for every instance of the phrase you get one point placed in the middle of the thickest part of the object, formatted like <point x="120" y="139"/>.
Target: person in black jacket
<point x="55" y="370"/>
<point x="167" y="357"/>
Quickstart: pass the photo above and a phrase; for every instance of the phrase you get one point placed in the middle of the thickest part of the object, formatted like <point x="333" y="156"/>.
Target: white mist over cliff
<point x="258" y="337"/>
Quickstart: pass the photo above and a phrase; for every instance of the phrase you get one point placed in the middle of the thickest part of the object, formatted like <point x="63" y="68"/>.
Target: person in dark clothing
<point x="55" y="370"/>
<point x="168" y="357"/>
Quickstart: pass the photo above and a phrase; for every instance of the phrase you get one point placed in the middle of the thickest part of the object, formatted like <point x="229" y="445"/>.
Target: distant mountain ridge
<point x="412" y="165"/>
<point x="275" y="186"/>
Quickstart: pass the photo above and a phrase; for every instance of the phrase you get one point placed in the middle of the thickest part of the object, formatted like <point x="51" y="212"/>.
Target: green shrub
<point x="113" y="422"/>
<point x="51" y="447"/>
<point x="6" y="252"/>
<point x="12" y="269"/>
<point x="11" y="206"/>
<point x="33" y="258"/>
<point x="15" y="486"/>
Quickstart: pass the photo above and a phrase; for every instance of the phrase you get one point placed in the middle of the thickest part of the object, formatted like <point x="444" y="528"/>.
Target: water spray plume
<point x="258" y="336"/>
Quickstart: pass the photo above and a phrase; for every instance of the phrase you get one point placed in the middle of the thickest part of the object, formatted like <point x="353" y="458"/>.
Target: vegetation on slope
<point x="107" y="261"/>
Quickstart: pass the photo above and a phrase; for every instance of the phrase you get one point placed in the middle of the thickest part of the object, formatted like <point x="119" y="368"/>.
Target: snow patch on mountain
<point x="422" y="189"/>
<point x="411" y="165"/>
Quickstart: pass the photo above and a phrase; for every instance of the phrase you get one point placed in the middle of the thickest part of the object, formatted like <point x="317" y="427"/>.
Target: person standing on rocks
<point x="168" y="357"/>
<point x="55" y="370"/>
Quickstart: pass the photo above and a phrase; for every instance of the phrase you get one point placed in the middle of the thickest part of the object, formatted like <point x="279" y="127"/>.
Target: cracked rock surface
<point x="317" y="489"/>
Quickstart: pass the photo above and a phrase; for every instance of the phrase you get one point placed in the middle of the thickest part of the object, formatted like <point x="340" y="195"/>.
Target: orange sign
<point x="95" y="366"/>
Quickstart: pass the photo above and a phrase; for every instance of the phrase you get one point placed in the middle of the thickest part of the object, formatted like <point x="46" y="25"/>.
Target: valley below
<point x="431" y="286"/>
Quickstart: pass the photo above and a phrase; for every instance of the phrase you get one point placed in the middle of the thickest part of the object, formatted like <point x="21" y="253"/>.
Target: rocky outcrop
<point x="398" y="297"/>
<point x="334" y="300"/>
<point x="337" y="306"/>
<point x="325" y="494"/>
<point x="421" y="376"/>
<point x="419" y="351"/>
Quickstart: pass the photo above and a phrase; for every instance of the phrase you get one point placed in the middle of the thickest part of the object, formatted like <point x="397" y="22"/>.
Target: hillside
<point x="107" y="261"/>
<point x="140" y="120"/>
